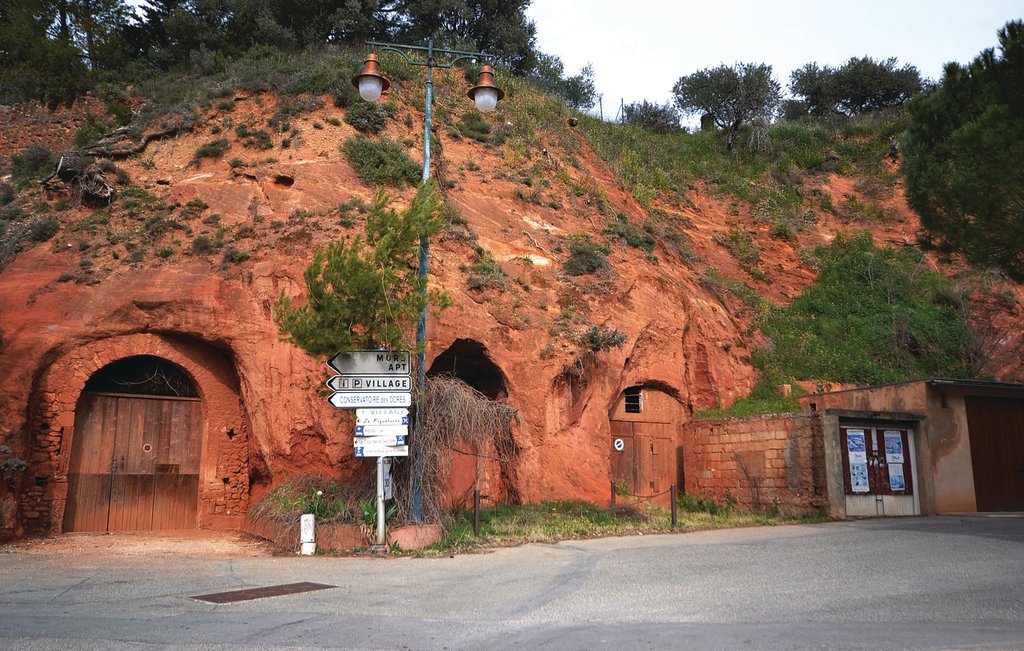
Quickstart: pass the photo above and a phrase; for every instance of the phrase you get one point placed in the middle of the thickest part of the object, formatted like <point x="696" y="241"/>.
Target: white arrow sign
<point x="397" y="416"/>
<point x="382" y="450"/>
<point x="372" y="362"/>
<point x="353" y="400"/>
<point x="364" y="383"/>
<point x="382" y="430"/>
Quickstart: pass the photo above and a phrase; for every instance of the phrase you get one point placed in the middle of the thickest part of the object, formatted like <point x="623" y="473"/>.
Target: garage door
<point x="997" y="452"/>
<point x="134" y="463"/>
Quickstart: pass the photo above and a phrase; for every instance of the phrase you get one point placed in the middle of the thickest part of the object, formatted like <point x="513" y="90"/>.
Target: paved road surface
<point x="921" y="583"/>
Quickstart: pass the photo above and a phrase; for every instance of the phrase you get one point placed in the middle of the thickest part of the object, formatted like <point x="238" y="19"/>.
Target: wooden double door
<point x="134" y="463"/>
<point x="643" y="456"/>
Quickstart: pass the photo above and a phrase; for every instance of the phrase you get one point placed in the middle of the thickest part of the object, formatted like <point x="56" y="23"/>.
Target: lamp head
<point x="370" y="82"/>
<point x="485" y="93"/>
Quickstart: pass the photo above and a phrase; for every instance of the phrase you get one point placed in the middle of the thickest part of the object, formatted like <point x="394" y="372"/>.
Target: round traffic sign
<point x="620" y="445"/>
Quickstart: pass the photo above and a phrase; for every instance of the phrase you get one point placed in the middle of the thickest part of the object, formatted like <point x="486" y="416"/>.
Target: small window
<point x="634" y="400"/>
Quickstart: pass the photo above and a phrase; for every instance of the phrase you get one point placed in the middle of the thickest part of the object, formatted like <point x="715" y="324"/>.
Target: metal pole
<point x="476" y="512"/>
<point x="675" y="507"/>
<point x="416" y="511"/>
<point x="613" y="494"/>
<point x="381" y="537"/>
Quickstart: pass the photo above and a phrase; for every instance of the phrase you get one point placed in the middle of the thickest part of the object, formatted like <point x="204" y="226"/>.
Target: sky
<point x="640" y="49"/>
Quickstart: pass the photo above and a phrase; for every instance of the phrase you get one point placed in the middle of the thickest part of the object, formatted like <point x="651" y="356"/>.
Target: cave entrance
<point x="136" y="449"/>
<point x="468" y="361"/>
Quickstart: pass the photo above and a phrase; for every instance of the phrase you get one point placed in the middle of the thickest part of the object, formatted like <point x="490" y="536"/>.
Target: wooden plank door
<point x="996" y="427"/>
<point x="134" y="464"/>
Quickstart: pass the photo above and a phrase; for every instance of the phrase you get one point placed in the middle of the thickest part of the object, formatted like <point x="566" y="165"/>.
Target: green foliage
<point x="731" y="95"/>
<point x="860" y="85"/>
<point x="659" y="118"/>
<point x="764" y="398"/>
<point x="577" y="92"/>
<point x="254" y="138"/>
<point x="600" y="339"/>
<point x="706" y="504"/>
<point x="329" y="501"/>
<point x="621" y="228"/>
<point x="741" y="245"/>
<point x="35" y="163"/>
<point x="43" y="230"/>
<point x="369" y="117"/>
<point x="205" y="244"/>
<point x="7" y="193"/>
<point x="94" y="128"/>
<point x="875" y="315"/>
<point x="964" y="156"/>
<point x="485" y="272"/>
<point x="381" y="161"/>
<point x="473" y="125"/>
<point x="365" y="293"/>
<point x="212" y="149"/>
<point x="586" y="257"/>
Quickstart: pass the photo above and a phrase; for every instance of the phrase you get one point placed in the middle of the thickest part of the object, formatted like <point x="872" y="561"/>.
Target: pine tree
<point x="365" y="293"/>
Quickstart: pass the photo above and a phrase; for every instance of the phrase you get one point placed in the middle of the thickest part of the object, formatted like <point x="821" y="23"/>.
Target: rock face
<point x="74" y="304"/>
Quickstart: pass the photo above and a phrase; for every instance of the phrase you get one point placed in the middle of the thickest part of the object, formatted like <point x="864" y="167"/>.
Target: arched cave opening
<point x="469" y="361"/>
<point x="143" y="375"/>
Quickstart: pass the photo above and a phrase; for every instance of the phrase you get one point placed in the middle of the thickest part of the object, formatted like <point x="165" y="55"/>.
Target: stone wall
<point x="764" y="462"/>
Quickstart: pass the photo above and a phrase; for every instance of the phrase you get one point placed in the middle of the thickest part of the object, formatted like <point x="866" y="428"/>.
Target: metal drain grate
<point x="259" y="593"/>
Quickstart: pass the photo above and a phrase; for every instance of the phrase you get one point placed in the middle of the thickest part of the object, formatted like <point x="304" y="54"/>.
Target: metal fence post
<point x="476" y="513"/>
<point x="675" y="507"/>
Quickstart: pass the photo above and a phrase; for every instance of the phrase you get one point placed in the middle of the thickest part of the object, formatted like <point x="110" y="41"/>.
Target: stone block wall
<point x="764" y="462"/>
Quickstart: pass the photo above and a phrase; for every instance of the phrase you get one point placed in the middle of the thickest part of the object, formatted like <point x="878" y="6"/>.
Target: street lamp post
<point x="371" y="84"/>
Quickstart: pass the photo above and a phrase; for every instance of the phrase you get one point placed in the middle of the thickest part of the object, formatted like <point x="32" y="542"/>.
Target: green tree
<point x="964" y="157"/>
<point x="365" y="293"/>
<point x="860" y="85"/>
<point x="497" y="27"/>
<point x="578" y="91"/>
<point x="731" y="95"/>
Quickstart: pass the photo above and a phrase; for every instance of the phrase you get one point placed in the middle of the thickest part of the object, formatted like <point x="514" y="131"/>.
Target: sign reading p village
<point x="377" y="384"/>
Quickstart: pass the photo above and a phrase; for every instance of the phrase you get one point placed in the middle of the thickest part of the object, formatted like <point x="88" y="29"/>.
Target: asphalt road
<point x="920" y="583"/>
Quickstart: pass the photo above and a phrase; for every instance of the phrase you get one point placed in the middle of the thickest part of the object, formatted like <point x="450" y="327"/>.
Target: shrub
<point x="381" y="161"/>
<point x="586" y="257"/>
<point x="485" y="272"/>
<point x="43" y="230"/>
<point x="94" y="128"/>
<point x="602" y="339"/>
<point x="34" y="164"/>
<point x="741" y="245"/>
<point x="212" y="149"/>
<point x="235" y="256"/>
<point x="369" y="117"/>
<point x="258" y="139"/>
<point x="7" y="193"/>
<point x="204" y="244"/>
<point x="629" y="233"/>
<point x="659" y="118"/>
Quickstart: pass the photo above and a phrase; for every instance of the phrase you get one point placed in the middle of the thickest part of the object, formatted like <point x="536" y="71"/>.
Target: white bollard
<point x="307" y="534"/>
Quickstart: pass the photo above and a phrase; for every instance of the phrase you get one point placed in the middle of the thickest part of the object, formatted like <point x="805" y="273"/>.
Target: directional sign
<point x="353" y="400"/>
<point x="395" y="416"/>
<point x="371" y="441"/>
<point x="382" y="450"/>
<point x="382" y="430"/>
<point x="364" y="383"/>
<point x="372" y="362"/>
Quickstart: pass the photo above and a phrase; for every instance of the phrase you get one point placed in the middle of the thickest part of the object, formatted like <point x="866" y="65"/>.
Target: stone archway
<point x="222" y="482"/>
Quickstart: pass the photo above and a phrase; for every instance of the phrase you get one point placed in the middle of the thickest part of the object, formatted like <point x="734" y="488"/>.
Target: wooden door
<point x="134" y="464"/>
<point x="646" y="462"/>
<point x="996" y="429"/>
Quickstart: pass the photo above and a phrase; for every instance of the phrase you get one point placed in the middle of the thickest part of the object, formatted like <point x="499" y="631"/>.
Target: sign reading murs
<point x="372" y="362"/>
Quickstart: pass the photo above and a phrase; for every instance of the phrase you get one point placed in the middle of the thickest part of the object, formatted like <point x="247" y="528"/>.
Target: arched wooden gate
<point x="135" y="461"/>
